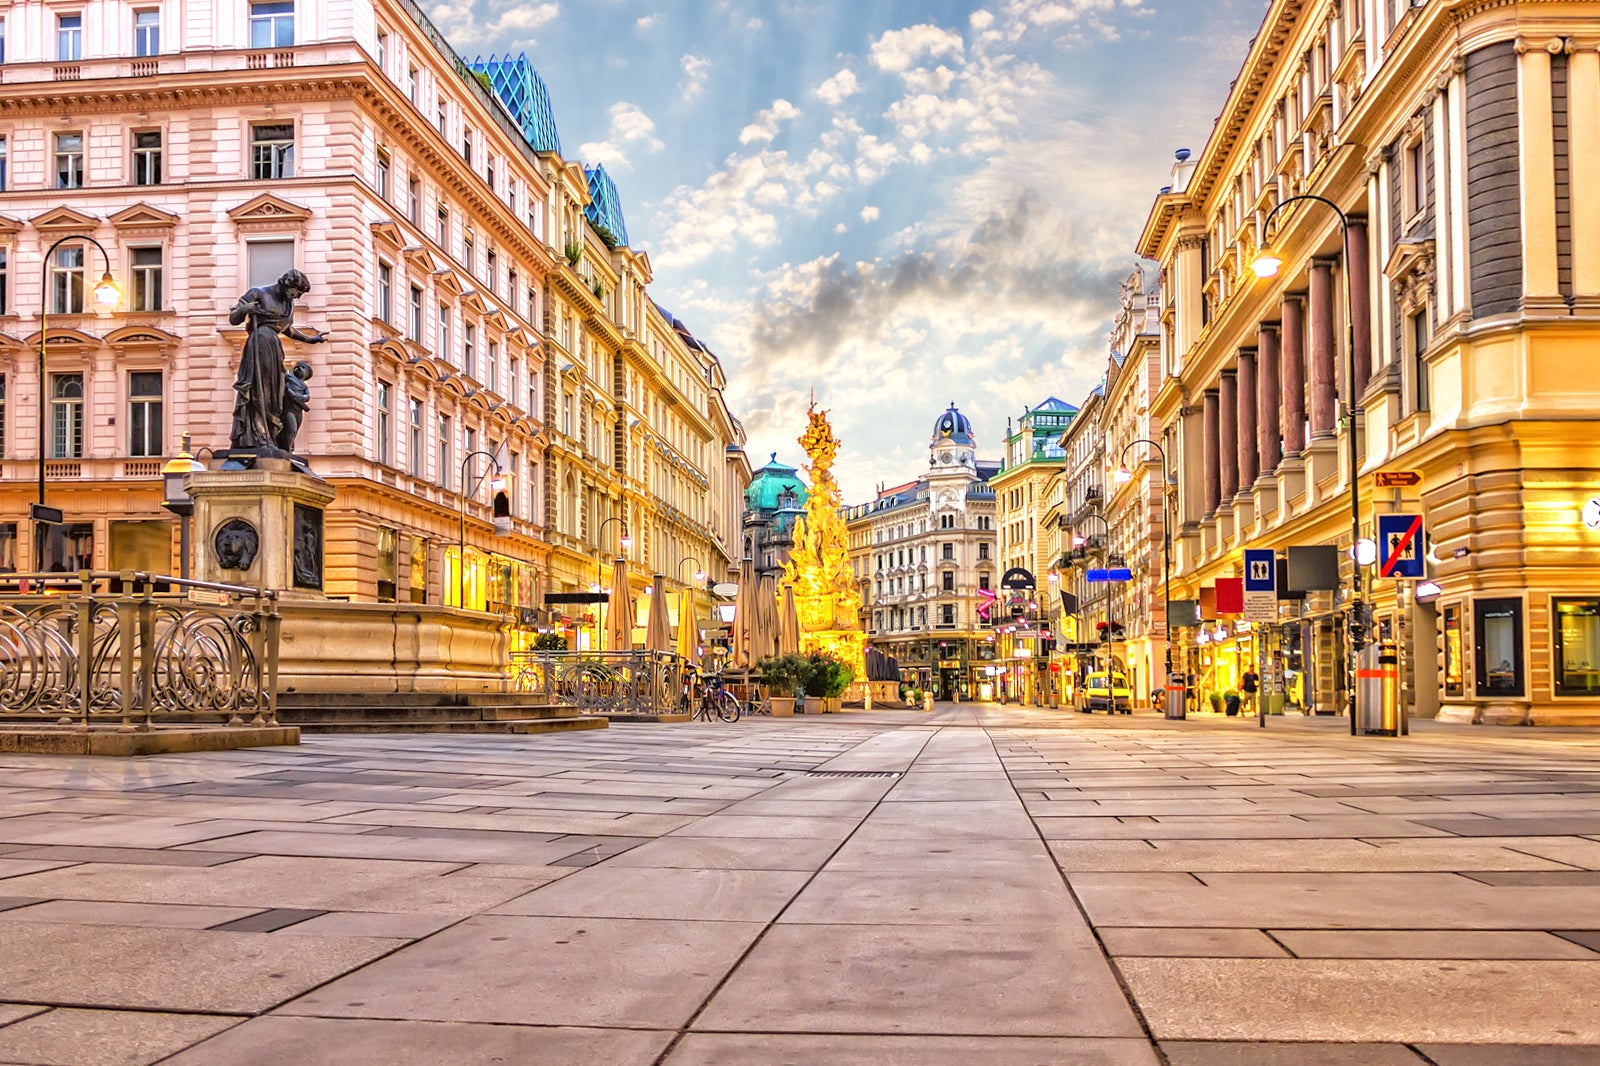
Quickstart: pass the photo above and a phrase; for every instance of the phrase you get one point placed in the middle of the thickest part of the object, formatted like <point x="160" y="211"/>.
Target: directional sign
<point x="1400" y="543"/>
<point x="1260" y="584"/>
<point x="1397" y="479"/>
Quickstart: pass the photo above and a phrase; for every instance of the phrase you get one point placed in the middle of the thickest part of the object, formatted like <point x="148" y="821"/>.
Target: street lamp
<point x="106" y="294"/>
<point x="1175" y="707"/>
<point x="497" y="485"/>
<point x="1266" y="265"/>
<point x="176" y="498"/>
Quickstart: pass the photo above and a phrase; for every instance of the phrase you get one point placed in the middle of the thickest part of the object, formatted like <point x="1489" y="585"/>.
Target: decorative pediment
<point x="9" y="224"/>
<point x="64" y="219"/>
<point x="387" y="232"/>
<point x="269" y="210"/>
<point x="1410" y="270"/>
<point x="65" y="337"/>
<point x="132" y="336"/>
<point x="448" y="281"/>
<point x="143" y="216"/>
<point x="473" y="300"/>
<point x="419" y="256"/>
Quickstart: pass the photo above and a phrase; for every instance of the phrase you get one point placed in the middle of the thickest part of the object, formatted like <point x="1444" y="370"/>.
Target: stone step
<point x="408" y="699"/>
<point x="335" y="712"/>
<point x="530" y="725"/>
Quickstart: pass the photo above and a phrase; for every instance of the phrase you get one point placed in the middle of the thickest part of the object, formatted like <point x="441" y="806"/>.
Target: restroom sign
<point x="1260" y="584"/>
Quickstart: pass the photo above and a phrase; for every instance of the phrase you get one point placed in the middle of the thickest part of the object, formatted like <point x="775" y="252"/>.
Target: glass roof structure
<point x="524" y="94"/>
<point x="605" y="205"/>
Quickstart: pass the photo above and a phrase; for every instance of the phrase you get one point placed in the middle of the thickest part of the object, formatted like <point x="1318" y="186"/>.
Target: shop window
<point x="63" y="548"/>
<point x="388" y="564"/>
<point x="1452" y="651"/>
<point x="419" y="570"/>
<point x="1577" y="637"/>
<point x="8" y="547"/>
<point x="143" y="546"/>
<point x="1497" y="637"/>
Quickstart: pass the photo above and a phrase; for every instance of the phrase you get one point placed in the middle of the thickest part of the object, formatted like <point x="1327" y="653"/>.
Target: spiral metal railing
<point x="95" y="646"/>
<point x="609" y="682"/>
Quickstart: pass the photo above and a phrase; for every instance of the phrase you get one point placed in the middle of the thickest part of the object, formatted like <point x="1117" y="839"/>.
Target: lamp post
<point x="497" y="485"/>
<point x="1265" y="265"/>
<point x="176" y="498"/>
<point x="106" y="294"/>
<point x="624" y="543"/>
<point x="1080" y="541"/>
<point x="699" y="579"/>
<point x="1174" y="700"/>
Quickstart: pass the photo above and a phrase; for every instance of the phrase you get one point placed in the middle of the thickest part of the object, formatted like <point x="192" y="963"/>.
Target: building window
<point x="272" y="151"/>
<point x="492" y="371"/>
<point x="144" y="413"/>
<point x="5" y="290"/>
<point x="272" y="24"/>
<point x="949" y="581"/>
<point x="414" y="201"/>
<point x="491" y="271"/>
<point x="444" y="452"/>
<point x="385" y="426"/>
<point x="1419" y="363"/>
<point x="388" y="564"/>
<point x="2" y="416"/>
<point x="443" y="216"/>
<point x="66" y="281"/>
<point x="947" y="551"/>
<point x="416" y="314"/>
<point x="983" y="581"/>
<point x="947" y="615"/>
<point x="146" y="33"/>
<point x="383" y="51"/>
<point x="147" y="157"/>
<point x="983" y="551"/>
<point x="466" y="146"/>
<point x="381" y="177"/>
<point x="385" y="292"/>
<point x="419" y="466"/>
<point x="443" y="340"/>
<point x="1416" y="180"/>
<point x="438" y="113"/>
<point x="66" y="416"/>
<point x="146" y="279"/>
<point x="411" y="84"/>
<point x="467" y="259"/>
<point x="1452" y="651"/>
<point x="268" y="261"/>
<point x="419" y="570"/>
<point x="69" y="38"/>
<point x="469" y="353"/>
<point x="1577" y="646"/>
<point x="1497" y="637"/>
<point x="4" y="164"/>
<point x="2" y="40"/>
<point x="69" y="160"/>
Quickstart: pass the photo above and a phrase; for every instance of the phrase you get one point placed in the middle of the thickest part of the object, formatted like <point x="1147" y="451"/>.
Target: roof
<point x="771" y="482"/>
<point x="605" y="205"/>
<point x="525" y="95"/>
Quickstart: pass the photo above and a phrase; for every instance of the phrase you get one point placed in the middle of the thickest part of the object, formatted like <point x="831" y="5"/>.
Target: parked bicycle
<point x="715" y="700"/>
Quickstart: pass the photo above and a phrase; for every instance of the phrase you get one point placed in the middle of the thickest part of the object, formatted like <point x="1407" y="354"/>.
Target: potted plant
<point x="781" y="674"/>
<point x="550" y="642"/>
<point x="574" y="252"/>
<point x="826" y="678"/>
<point x="1216" y="702"/>
<point x="1230" y="700"/>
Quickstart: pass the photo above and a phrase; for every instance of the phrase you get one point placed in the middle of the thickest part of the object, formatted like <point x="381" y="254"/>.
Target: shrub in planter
<point x="1216" y="702"/>
<point x="783" y="674"/>
<point x="827" y="676"/>
<point x="550" y="642"/>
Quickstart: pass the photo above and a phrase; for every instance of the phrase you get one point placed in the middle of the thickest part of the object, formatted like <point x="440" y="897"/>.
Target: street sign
<point x="1260" y="584"/>
<point x="1115" y="573"/>
<point x="1400" y="546"/>
<point x="1397" y="479"/>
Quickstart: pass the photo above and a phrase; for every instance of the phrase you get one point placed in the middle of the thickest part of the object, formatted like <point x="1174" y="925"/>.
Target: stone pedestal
<point x="260" y="527"/>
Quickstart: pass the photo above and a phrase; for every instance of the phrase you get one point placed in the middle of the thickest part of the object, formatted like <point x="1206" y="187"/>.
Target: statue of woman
<point x="258" y="389"/>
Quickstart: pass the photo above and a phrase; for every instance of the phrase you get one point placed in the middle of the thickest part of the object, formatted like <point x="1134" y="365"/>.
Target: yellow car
<point x="1102" y="691"/>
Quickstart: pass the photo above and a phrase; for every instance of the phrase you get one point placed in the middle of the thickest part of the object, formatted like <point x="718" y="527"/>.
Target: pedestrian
<point x="1248" y="685"/>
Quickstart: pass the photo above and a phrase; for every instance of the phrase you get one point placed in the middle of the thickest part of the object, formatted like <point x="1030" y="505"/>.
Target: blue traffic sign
<point x="1260" y="570"/>
<point x="1400" y="541"/>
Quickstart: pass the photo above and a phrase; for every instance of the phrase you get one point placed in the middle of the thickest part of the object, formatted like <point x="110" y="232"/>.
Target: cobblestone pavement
<point x="976" y="885"/>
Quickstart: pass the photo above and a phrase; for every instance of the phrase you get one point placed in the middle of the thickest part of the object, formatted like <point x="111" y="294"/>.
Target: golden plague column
<point x="825" y="594"/>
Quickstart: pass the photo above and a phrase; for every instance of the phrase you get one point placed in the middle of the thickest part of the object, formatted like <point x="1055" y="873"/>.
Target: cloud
<point x="645" y="22"/>
<point x="839" y="88"/>
<point x="696" y="69"/>
<point x="765" y="127"/>
<point x="897" y="50"/>
<point x="869" y="214"/>
<point x="502" y="24"/>
<point x="629" y="126"/>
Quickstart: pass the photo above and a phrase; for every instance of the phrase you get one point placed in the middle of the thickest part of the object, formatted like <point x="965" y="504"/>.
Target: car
<point x="1103" y="691"/>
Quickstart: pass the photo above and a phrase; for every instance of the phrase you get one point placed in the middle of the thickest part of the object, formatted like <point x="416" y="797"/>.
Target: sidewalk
<point x="979" y="884"/>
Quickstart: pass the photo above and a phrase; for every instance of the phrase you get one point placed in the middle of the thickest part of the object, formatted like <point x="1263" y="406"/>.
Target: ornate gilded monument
<point x="825" y="594"/>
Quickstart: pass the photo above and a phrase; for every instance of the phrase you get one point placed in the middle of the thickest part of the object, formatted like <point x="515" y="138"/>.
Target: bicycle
<point x="716" y="701"/>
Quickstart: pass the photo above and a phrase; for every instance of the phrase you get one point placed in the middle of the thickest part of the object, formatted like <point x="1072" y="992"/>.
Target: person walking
<point x="1247" y="687"/>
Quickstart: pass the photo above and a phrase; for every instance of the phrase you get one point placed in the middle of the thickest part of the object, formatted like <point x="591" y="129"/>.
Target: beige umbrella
<point x="619" y="610"/>
<point x="743" y="607"/>
<point x="788" y="624"/>
<point x="658" y="627"/>
<point x="688" y="627"/>
<point x="765" y="642"/>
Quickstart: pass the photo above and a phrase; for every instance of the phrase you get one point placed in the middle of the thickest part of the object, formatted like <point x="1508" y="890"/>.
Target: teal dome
<point x="775" y="487"/>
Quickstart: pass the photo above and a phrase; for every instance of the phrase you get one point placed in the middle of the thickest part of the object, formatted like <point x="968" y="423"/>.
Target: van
<point x="1103" y="691"/>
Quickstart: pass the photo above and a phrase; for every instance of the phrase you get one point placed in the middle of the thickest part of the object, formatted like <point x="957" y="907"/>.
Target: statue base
<point x="261" y="525"/>
<point x="235" y="459"/>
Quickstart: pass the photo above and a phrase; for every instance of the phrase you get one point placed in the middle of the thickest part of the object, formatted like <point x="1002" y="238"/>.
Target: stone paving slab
<point x="105" y="1037"/>
<point x="741" y="1049"/>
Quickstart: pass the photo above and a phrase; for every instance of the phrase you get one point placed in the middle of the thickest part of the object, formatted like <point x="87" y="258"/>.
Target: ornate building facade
<point x="924" y="558"/>
<point x="1459" y="139"/>
<point x="483" y="310"/>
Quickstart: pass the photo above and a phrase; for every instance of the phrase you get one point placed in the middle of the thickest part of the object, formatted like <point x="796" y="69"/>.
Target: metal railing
<point x="95" y="645"/>
<point x="602" y="682"/>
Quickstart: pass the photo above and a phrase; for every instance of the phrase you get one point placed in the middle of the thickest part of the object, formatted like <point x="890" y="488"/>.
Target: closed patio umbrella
<point x="619" y="610"/>
<point x="658" y="627"/>
<point x="788" y="624"/>
<point x="688" y="627"/>
<point x="743" y="607"/>
<point x="766" y="639"/>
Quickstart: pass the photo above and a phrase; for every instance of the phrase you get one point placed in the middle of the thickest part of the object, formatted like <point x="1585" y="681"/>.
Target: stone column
<point x="1269" y="399"/>
<point x="1213" y="470"/>
<point x="1324" y="383"/>
<point x="1293" y="362"/>
<point x="1356" y="262"/>
<point x="1249" y="442"/>
<point x="1228" y="437"/>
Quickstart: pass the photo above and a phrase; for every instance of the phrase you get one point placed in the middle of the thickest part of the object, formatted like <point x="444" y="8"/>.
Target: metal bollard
<point x="1378" y="690"/>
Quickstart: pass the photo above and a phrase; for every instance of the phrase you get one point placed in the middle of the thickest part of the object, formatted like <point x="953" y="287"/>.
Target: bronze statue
<point x="296" y="400"/>
<point x="258" y="406"/>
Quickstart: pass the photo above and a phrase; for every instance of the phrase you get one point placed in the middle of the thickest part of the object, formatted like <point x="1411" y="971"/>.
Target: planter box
<point x="833" y="706"/>
<point x="818" y="705"/>
<point x="783" y="706"/>
<point x="813" y="705"/>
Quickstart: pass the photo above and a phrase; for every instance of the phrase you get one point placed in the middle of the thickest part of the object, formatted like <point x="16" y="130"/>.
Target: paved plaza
<point x="976" y="885"/>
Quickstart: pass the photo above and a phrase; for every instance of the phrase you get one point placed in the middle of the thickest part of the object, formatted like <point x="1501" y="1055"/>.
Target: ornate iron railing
<point x="94" y="646"/>
<point x="609" y="682"/>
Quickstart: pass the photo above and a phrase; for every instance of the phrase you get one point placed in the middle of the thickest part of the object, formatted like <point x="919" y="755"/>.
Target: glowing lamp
<point x="1366" y="552"/>
<point x="1266" y="265"/>
<point x="106" y="294"/>
<point x="1122" y="476"/>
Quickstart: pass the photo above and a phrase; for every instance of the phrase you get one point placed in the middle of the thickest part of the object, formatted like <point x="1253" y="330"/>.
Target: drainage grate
<point x="852" y="773"/>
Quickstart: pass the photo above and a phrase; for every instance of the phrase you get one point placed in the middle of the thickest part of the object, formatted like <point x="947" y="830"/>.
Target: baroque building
<point x="483" y="307"/>
<point x="924" y="558"/>
<point x="1459" y="138"/>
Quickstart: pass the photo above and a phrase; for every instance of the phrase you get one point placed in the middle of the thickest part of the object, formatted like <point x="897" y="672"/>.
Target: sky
<point x="897" y="205"/>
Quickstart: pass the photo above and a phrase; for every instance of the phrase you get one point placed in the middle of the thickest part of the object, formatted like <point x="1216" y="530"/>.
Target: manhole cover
<point x="852" y="773"/>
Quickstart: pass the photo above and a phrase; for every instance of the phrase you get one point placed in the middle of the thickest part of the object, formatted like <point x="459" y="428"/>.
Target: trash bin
<point x="1177" y="696"/>
<point x="1378" y="689"/>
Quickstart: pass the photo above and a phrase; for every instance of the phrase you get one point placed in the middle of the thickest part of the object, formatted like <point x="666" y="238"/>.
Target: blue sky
<point x="897" y="204"/>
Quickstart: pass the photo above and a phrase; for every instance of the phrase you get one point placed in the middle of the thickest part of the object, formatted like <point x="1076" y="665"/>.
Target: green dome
<point x="770" y="483"/>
